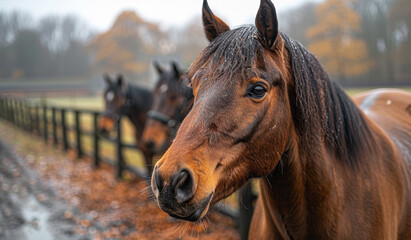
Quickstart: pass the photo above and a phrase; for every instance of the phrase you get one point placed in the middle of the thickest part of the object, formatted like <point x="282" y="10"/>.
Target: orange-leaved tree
<point x="334" y="39"/>
<point x="128" y="45"/>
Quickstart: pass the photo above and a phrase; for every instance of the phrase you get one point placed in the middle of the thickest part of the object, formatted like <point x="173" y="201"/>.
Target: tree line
<point x="359" y="42"/>
<point x="53" y="46"/>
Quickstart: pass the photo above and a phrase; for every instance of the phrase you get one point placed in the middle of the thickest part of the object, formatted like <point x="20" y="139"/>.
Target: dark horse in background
<point x="171" y="102"/>
<point x="123" y="98"/>
<point x="265" y="108"/>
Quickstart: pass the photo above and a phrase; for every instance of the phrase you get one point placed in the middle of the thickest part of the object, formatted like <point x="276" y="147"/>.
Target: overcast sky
<point x="100" y="14"/>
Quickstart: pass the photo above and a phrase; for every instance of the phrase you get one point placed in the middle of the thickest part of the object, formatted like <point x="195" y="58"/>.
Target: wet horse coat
<point x="265" y="108"/>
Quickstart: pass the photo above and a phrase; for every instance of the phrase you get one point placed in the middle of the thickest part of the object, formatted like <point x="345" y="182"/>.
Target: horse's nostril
<point x="150" y="145"/>
<point x="183" y="185"/>
<point x="159" y="183"/>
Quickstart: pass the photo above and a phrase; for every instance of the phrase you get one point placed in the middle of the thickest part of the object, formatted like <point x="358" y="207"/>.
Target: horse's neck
<point x="137" y="118"/>
<point x="136" y="111"/>
<point x="299" y="186"/>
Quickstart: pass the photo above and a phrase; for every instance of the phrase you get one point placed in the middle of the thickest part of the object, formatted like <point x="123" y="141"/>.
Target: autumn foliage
<point x="128" y="45"/>
<point x="334" y="39"/>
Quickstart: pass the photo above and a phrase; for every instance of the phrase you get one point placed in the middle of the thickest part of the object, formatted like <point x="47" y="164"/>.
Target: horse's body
<point x="265" y="108"/>
<point x="389" y="108"/>
<point x="131" y="101"/>
<point x="371" y="203"/>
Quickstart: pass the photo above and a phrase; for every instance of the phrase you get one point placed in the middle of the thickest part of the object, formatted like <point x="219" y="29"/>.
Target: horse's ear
<point x="176" y="69"/>
<point x="107" y="78"/>
<point x="267" y="24"/>
<point x="213" y="26"/>
<point x="157" y="66"/>
<point x="120" y="80"/>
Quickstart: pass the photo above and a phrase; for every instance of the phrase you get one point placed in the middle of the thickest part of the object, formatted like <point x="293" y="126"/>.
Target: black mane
<point x="321" y="109"/>
<point x="141" y="98"/>
<point x="321" y="104"/>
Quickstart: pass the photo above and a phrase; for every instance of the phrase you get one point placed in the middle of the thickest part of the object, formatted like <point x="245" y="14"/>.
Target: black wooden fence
<point x="51" y="124"/>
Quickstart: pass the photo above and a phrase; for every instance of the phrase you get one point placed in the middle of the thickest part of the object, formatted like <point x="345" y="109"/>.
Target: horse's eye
<point x="256" y="91"/>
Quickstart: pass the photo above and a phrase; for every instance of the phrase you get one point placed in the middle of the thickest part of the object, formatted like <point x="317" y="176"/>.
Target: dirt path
<point x="28" y="209"/>
<point x="69" y="199"/>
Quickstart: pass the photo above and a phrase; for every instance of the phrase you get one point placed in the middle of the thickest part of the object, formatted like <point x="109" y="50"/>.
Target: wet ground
<point x="46" y="194"/>
<point x="29" y="210"/>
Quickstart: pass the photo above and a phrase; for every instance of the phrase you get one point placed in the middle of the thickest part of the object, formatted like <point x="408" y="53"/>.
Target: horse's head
<point x="240" y="122"/>
<point x="114" y="100"/>
<point x="165" y="115"/>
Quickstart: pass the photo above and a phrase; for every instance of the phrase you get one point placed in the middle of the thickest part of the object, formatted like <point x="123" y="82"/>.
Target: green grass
<point x="91" y="103"/>
<point x="354" y="91"/>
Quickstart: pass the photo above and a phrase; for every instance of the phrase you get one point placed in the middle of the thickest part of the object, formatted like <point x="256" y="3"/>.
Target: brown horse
<point x="265" y="108"/>
<point x="171" y="102"/>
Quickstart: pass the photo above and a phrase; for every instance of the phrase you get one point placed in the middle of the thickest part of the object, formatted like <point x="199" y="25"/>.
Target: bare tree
<point x="48" y="28"/>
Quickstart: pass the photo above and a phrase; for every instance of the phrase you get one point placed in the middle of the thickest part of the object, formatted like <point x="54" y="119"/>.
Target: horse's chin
<point x="198" y="213"/>
<point x="193" y="228"/>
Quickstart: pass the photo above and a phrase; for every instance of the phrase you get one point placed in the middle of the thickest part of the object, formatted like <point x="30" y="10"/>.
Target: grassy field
<point x="354" y="91"/>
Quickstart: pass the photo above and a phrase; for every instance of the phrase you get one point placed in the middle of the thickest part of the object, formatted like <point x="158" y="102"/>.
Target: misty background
<point x="360" y="43"/>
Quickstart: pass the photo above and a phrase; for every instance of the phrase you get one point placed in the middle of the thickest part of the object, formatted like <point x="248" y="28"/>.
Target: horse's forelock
<point x="231" y="54"/>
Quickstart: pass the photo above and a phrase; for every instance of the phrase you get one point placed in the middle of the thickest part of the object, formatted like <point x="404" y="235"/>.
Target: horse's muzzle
<point x="176" y="198"/>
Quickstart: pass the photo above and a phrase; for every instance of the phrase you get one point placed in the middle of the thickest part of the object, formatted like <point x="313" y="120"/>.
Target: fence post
<point x="120" y="160"/>
<point x="7" y="110"/>
<point x="12" y="110"/>
<point x="53" y="119"/>
<point x="30" y="113"/>
<point x="45" y="130"/>
<point x="21" y="113"/>
<point x="26" y="115"/>
<point x="1" y="108"/>
<point x="7" y="104"/>
<point x="64" y="129"/>
<point x="96" y="138"/>
<point x="78" y="134"/>
<point x="245" y="198"/>
<point x="6" y="113"/>
<point x="38" y="119"/>
<point x="17" y="111"/>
